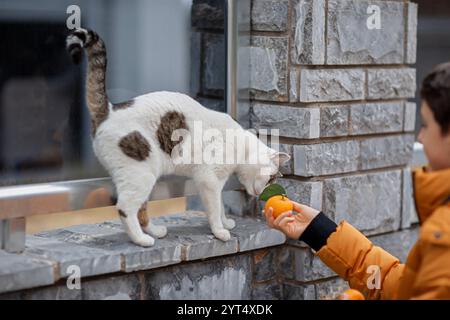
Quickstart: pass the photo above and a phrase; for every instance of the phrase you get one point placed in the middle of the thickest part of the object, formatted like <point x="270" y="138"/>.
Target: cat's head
<point x="255" y="177"/>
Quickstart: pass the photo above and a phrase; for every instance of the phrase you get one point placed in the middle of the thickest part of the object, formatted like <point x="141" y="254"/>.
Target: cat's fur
<point x="132" y="140"/>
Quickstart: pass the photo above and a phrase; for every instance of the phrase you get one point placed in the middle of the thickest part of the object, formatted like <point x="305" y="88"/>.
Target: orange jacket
<point x="379" y="275"/>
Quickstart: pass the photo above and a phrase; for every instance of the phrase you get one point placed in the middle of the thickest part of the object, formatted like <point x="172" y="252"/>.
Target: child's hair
<point x="436" y="92"/>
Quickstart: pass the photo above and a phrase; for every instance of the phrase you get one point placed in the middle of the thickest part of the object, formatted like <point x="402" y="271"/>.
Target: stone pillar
<point x="334" y="77"/>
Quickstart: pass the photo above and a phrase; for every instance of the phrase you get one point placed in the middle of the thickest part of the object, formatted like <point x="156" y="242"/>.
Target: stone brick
<point x="370" y="202"/>
<point x="288" y="167"/>
<point x="376" y="118"/>
<point x="334" y="121"/>
<point x="308" y="267"/>
<point x="110" y="237"/>
<point x="318" y="85"/>
<point x="306" y="192"/>
<point x="391" y="83"/>
<point x="265" y="262"/>
<point x="410" y="117"/>
<point x="91" y="261"/>
<point x="326" y="158"/>
<point x="269" y="15"/>
<point x="213" y="78"/>
<point x="269" y="74"/>
<point x="411" y="41"/>
<point x="350" y="41"/>
<point x="386" y="151"/>
<point x="308" y="24"/>
<point x="191" y="230"/>
<point x="397" y="243"/>
<point x="286" y="267"/>
<point x="199" y="243"/>
<point x="19" y="271"/>
<point x="255" y="234"/>
<point x="266" y="291"/>
<point x="296" y="243"/>
<point x="291" y="122"/>
<point x="54" y="292"/>
<point x="292" y="291"/>
<point x="128" y="287"/>
<point x="293" y="85"/>
<point x="227" y="278"/>
<point x="208" y="14"/>
<point x="331" y="289"/>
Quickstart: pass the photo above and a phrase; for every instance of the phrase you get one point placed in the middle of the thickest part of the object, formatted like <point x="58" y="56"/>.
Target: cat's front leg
<point x="227" y="223"/>
<point x="210" y="194"/>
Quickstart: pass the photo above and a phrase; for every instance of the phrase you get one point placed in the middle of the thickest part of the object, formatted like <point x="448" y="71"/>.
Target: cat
<point x="133" y="141"/>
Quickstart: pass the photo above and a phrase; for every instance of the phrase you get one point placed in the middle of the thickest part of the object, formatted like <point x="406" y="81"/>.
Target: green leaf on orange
<point x="272" y="190"/>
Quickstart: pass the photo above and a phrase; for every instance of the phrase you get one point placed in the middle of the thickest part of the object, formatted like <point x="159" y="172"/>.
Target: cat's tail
<point x="97" y="100"/>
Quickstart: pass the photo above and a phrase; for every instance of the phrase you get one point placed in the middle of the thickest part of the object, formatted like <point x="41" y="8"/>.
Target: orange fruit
<point x="352" y="294"/>
<point x="279" y="205"/>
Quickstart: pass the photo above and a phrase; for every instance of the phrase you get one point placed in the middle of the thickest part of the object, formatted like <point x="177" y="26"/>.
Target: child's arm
<point x="344" y="249"/>
<point x="366" y="267"/>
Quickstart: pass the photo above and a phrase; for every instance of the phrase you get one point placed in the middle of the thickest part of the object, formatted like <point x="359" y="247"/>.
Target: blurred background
<point x="44" y="125"/>
<point x="433" y="35"/>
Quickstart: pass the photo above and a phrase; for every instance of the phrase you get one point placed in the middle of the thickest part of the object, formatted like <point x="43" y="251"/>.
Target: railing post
<point x="13" y="235"/>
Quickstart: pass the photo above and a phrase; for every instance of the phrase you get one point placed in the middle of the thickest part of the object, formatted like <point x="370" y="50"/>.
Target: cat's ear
<point x="280" y="158"/>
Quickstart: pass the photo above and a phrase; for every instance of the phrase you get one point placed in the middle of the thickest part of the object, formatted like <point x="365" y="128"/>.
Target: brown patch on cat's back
<point x="170" y="122"/>
<point x="135" y="146"/>
<point x="123" y="105"/>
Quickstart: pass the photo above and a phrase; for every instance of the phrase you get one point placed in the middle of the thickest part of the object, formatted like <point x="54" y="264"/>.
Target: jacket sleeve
<point x="366" y="267"/>
<point x="433" y="276"/>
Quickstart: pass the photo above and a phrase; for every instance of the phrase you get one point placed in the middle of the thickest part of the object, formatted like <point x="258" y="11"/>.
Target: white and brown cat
<point x="133" y="141"/>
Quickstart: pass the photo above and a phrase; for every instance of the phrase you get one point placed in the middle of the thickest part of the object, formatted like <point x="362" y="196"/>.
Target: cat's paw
<point x="228" y="223"/>
<point x="222" y="234"/>
<point x="155" y="230"/>
<point x="144" y="240"/>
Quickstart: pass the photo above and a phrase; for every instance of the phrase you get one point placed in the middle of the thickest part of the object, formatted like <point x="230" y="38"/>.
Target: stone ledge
<point x="105" y="248"/>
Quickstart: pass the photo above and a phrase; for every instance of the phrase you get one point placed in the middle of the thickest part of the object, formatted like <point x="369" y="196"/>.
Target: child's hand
<point x="292" y="224"/>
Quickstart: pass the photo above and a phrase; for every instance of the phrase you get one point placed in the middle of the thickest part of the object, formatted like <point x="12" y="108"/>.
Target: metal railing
<point x="19" y="202"/>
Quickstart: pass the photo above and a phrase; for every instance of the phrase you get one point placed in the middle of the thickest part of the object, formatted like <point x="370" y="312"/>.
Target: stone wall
<point x="188" y="264"/>
<point x="337" y="88"/>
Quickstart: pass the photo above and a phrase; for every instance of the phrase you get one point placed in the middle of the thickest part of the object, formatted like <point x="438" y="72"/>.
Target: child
<point x="370" y="269"/>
